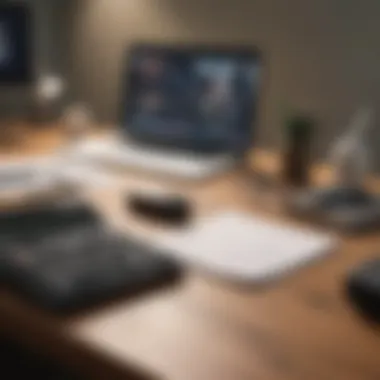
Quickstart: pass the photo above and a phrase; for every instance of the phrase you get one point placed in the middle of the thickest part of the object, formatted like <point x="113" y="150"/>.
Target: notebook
<point x="242" y="247"/>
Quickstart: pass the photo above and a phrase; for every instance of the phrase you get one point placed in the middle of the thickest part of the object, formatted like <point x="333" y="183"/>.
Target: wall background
<point x="322" y="56"/>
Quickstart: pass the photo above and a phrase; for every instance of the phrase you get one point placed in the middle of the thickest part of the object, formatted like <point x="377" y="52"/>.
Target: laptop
<point x="185" y="111"/>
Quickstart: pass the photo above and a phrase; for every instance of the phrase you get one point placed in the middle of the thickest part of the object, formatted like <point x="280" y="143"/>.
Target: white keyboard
<point x="135" y="156"/>
<point x="246" y="248"/>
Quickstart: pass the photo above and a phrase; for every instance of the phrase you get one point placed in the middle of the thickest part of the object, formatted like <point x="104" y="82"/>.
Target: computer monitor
<point x="193" y="98"/>
<point x="15" y="44"/>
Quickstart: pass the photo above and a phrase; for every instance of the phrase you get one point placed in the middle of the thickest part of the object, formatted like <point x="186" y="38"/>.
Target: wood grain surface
<point x="203" y="328"/>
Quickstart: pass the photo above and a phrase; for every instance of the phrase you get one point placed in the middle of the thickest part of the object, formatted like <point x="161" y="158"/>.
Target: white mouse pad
<point x="245" y="248"/>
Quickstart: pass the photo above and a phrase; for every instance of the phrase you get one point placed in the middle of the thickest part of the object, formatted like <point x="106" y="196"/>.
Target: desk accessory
<point x="347" y="209"/>
<point x="171" y="210"/>
<point x="299" y="130"/>
<point x="37" y="179"/>
<point x="28" y="178"/>
<point x="363" y="289"/>
<point x="77" y="120"/>
<point x="345" y="204"/>
<point x="244" y="248"/>
<point x="49" y="91"/>
<point x="350" y="156"/>
<point x="115" y="153"/>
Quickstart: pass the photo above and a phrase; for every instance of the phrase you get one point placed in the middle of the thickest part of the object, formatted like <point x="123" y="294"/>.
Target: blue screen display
<point x="201" y="100"/>
<point x="15" y="49"/>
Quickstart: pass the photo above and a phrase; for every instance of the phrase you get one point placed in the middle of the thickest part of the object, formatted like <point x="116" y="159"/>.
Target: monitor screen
<point x="192" y="98"/>
<point x="15" y="33"/>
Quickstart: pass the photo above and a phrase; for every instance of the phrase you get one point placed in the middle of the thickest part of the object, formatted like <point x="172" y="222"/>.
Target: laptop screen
<point x="196" y="99"/>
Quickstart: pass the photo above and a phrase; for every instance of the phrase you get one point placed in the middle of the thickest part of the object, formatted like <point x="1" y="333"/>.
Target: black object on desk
<point x="63" y="259"/>
<point x="363" y="288"/>
<point x="170" y="210"/>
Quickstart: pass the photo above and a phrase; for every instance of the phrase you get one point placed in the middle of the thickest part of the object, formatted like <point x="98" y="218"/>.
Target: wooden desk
<point x="300" y="328"/>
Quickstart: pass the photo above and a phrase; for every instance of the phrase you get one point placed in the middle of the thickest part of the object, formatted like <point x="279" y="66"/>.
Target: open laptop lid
<point x="199" y="99"/>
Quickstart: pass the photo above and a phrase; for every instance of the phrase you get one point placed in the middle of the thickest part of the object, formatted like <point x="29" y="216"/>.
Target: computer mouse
<point x="173" y="210"/>
<point x="363" y="289"/>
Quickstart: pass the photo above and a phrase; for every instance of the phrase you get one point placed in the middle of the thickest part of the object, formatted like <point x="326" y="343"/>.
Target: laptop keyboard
<point x="178" y="163"/>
